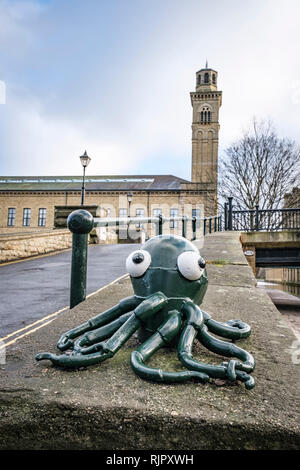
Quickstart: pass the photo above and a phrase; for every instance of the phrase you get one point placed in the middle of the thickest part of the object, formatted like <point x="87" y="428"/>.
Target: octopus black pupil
<point x="201" y="263"/>
<point x="138" y="258"/>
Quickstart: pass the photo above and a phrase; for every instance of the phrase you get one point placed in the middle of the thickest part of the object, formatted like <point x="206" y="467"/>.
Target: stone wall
<point x="13" y="247"/>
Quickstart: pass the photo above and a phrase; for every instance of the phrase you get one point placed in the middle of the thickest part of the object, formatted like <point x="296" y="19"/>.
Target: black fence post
<point x="210" y="225"/>
<point x="204" y="226"/>
<point x="225" y="216"/>
<point x="160" y="224"/>
<point x="256" y="218"/>
<point x="194" y="227"/>
<point x="184" y="226"/>
<point x="80" y="223"/>
<point x="229" y="224"/>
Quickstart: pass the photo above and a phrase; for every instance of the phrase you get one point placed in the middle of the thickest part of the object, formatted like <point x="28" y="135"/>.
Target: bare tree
<point x="260" y="168"/>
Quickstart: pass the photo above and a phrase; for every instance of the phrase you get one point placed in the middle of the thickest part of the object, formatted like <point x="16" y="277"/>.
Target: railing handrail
<point x="108" y="221"/>
<point x="244" y="211"/>
<point x="285" y="218"/>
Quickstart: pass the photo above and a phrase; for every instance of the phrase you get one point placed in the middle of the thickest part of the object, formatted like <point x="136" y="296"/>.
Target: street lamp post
<point x="85" y="160"/>
<point x="129" y="199"/>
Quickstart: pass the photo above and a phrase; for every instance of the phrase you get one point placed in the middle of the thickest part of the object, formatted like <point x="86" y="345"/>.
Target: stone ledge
<point x="107" y="407"/>
<point x="24" y="246"/>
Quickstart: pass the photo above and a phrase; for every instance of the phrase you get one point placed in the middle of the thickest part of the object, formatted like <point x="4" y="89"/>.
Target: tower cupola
<point x="206" y="79"/>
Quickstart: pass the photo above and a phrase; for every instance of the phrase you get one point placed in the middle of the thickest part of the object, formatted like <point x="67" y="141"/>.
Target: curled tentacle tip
<point x="42" y="356"/>
<point x="202" y="377"/>
<point x="65" y="343"/>
<point x="250" y="383"/>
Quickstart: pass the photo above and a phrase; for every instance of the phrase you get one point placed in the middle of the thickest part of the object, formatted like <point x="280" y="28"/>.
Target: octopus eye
<point x="138" y="258"/>
<point x="190" y="265"/>
<point x="138" y="262"/>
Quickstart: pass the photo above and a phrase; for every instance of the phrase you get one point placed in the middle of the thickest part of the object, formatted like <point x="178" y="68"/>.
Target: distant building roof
<point x="93" y="183"/>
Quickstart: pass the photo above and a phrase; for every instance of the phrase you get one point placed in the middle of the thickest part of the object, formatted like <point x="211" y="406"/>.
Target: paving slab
<point x="221" y="246"/>
<point x="107" y="407"/>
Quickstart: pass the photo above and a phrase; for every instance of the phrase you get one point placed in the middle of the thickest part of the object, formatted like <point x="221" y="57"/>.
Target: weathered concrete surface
<point x="107" y="407"/>
<point x="284" y="238"/>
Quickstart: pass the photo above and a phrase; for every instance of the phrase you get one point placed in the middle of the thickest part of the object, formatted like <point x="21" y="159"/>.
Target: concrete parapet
<point x="286" y="238"/>
<point x="107" y="407"/>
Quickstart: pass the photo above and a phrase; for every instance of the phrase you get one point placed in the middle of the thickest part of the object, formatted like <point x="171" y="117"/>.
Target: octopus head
<point x="170" y="264"/>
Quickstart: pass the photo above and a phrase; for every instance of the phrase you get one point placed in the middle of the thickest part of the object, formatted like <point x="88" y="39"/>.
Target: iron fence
<point x="254" y="220"/>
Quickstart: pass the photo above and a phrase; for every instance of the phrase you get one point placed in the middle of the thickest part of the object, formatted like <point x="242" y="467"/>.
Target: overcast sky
<point x="113" y="77"/>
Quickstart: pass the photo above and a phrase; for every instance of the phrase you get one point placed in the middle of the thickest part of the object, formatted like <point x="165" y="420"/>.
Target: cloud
<point x="114" y="78"/>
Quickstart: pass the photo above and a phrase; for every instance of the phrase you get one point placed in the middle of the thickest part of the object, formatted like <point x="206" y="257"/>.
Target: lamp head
<point x="85" y="159"/>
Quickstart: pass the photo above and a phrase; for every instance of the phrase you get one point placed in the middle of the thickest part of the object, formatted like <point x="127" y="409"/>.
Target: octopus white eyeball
<point x="138" y="262"/>
<point x="191" y="265"/>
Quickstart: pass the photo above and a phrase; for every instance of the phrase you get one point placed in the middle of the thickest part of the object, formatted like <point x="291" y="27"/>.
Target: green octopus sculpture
<point x="169" y="280"/>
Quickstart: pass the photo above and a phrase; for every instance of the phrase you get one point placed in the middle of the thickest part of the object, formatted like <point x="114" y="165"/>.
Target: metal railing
<point x="210" y="224"/>
<point x="254" y="220"/>
<point x="81" y="222"/>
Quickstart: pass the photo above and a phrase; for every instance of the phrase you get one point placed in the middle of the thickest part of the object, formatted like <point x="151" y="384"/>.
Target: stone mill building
<point x="28" y="203"/>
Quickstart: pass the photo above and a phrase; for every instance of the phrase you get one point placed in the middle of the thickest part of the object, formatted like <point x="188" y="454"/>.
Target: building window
<point x="157" y="212"/>
<point x="11" y="217"/>
<point x="199" y="79"/>
<point x="42" y="217"/>
<point x="206" y="77"/>
<point x="205" y="115"/>
<point x="26" y="217"/>
<point x="196" y="213"/>
<point x="174" y="213"/>
<point x="214" y="78"/>
<point x="122" y="212"/>
<point x="140" y="213"/>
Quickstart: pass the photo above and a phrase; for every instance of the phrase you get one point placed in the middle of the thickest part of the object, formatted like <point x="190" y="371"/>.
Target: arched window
<point x="206" y="77"/>
<point x="214" y="78"/>
<point x="199" y="79"/>
<point x="205" y="114"/>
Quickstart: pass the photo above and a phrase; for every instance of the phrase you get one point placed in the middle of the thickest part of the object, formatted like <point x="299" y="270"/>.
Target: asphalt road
<point x="32" y="289"/>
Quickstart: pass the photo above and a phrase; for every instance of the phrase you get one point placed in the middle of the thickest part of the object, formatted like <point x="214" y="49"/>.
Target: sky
<point x="113" y="77"/>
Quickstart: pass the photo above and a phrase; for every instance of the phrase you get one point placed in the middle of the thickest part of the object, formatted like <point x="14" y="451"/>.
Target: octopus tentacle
<point x="227" y="349"/>
<point x="232" y="370"/>
<point x="231" y="329"/>
<point x="194" y="324"/>
<point x="162" y="337"/>
<point x="83" y="344"/>
<point x="66" y="341"/>
<point x="109" y="348"/>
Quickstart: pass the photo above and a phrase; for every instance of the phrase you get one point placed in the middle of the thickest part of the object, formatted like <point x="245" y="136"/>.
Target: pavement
<point x="284" y="299"/>
<point x="107" y="407"/>
<point x="33" y="289"/>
